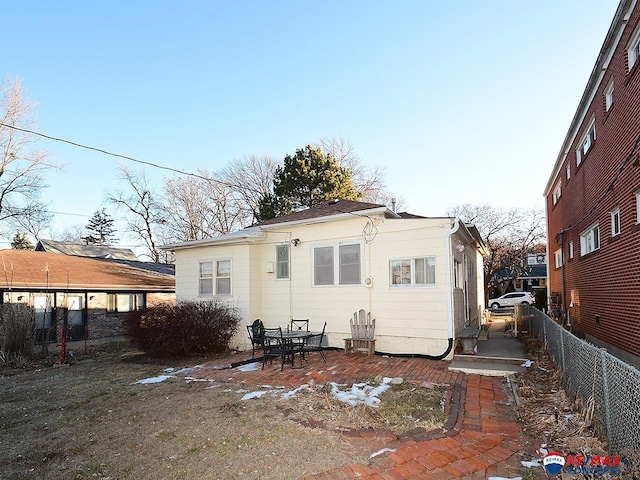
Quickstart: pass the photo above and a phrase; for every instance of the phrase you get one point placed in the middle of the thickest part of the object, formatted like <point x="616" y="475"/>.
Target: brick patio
<point x="480" y="439"/>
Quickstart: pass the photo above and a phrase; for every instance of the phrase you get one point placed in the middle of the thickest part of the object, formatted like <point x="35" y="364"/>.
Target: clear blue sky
<point x="465" y="101"/>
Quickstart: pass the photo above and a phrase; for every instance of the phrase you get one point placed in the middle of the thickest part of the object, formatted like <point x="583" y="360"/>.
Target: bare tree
<point x="22" y="167"/>
<point x="196" y="208"/>
<point x="70" y="234"/>
<point x="509" y="235"/>
<point x="251" y="178"/>
<point x="142" y="211"/>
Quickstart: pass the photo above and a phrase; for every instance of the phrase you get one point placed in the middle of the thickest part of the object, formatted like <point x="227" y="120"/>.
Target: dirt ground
<point x="90" y="419"/>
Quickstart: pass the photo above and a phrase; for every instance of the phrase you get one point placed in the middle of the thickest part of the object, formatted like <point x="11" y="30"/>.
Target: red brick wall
<point x="606" y="282"/>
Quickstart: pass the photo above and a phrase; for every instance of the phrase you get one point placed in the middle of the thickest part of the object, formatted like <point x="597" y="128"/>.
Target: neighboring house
<point x="593" y="199"/>
<point x="93" y="294"/>
<point x="421" y="278"/>
<point x="529" y="278"/>
<point x="91" y="251"/>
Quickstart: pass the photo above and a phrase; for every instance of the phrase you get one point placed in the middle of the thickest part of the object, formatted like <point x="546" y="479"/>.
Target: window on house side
<point x="205" y="286"/>
<point x="590" y="240"/>
<point x="557" y="256"/>
<point x="609" y="96"/>
<point x="557" y="193"/>
<point x="349" y="265"/>
<point x="615" y="221"/>
<point x="282" y="261"/>
<point x="586" y="142"/>
<point x="568" y="171"/>
<point x="323" y="266"/>
<point x="571" y="249"/>
<point x="413" y="271"/>
<point x="457" y="275"/>
<point x="638" y="206"/>
<point x="633" y="50"/>
<point x="223" y="277"/>
<point x="112" y="302"/>
<point x="343" y="263"/>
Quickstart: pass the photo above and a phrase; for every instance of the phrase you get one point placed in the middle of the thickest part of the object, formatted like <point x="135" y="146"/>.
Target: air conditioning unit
<point x="368" y="282"/>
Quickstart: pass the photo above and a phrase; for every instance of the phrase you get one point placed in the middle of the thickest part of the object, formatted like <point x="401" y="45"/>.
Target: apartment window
<point x="457" y="274"/>
<point x="557" y="192"/>
<point x="615" y="221"/>
<point x="222" y="277"/>
<point x="609" y="96"/>
<point x="413" y="271"/>
<point x="590" y="240"/>
<point x="557" y="256"/>
<point x="633" y="50"/>
<point x="282" y="261"/>
<point x="586" y="142"/>
<point x="570" y="249"/>
<point x="342" y="262"/>
<point x="568" y="171"/>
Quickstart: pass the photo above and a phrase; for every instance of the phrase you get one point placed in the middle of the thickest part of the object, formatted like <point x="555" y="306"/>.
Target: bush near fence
<point x="605" y="385"/>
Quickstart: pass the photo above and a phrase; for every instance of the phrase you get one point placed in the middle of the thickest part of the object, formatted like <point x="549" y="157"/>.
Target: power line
<point x="126" y="157"/>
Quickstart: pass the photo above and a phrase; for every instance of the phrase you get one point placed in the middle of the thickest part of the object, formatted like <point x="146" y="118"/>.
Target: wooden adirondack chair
<point x="362" y="334"/>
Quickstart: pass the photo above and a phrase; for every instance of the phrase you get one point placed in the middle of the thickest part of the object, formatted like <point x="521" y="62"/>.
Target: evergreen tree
<point x="100" y="230"/>
<point x="306" y="179"/>
<point x="21" y="242"/>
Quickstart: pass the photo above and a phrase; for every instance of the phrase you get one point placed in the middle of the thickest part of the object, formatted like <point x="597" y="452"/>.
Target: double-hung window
<point x="557" y="257"/>
<point x="590" y="240"/>
<point x="214" y="277"/>
<point x="633" y="49"/>
<point x="557" y="193"/>
<point x="586" y="142"/>
<point x="609" y="96"/>
<point x="282" y="261"/>
<point x="340" y="263"/>
<point x="615" y="221"/>
<point x="413" y="272"/>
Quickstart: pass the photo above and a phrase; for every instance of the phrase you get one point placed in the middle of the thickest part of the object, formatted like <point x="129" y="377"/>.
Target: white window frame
<point x="216" y="277"/>
<point x="457" y="274"/>
<point x="637" y="206"/>
<point x="609" y="95"/>
<point x="568" y="170"/>
<point x="586" y="142"/>
<point x="633" y="49"/>
<point x="557" y="193"/>
<point x="557" y="257"/>
<point x="337" y="267"/>
<point x="283" y="261"/>
<point x="570" y="249"/>
<point x="411" y="274"/>
<point x="615" y="221"/>
<point x="590" y="240"/>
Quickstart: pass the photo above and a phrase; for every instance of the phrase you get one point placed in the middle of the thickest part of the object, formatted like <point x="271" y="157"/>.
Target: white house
<point x="421" y="278"/>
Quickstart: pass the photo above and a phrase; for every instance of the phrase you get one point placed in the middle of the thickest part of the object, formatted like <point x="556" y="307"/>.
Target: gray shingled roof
<point x="91" y="251"/>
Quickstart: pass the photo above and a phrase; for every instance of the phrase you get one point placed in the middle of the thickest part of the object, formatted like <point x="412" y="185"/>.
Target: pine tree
<point x="100" y="230"/>
<point x="21" y="242"/>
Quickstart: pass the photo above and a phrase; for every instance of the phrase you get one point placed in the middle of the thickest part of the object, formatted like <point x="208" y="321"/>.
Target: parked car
<point x="510" y="299"/>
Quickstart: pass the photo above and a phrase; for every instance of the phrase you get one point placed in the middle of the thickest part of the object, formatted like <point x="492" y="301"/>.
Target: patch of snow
<point x="158" y="379"/>
<point x="188" y="370"/>
<point x="256" y="394"/>
<point x="292" y="393"/>
<point x="248" y="367"/>
<point x="527" y="364"/>
<point x="380" y="452"/>
<point x="360" y="393"/>
<point x="170" y="369"/>
<point x="531" y="464"/>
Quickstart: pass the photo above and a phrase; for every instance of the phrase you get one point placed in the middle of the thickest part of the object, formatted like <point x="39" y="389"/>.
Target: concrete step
<point x="487" y="368"/>
<point x="485" y="359"/>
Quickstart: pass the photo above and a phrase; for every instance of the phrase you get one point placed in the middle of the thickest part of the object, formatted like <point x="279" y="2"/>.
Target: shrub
<point x="183" y="329"/>
<point x="16" y="332"/>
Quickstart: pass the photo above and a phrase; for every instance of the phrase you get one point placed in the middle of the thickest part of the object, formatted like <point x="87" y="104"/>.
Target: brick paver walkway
<point x="480" y="439"/>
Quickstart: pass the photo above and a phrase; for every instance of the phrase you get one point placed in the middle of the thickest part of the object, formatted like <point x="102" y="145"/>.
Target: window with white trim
<point x="342" y="262"/>
<point x="125" y="302"/>
<point x="638" y="206"/>
<point x="557" y="257"/>
<point x="615" y="221"/>
<point x="633" y="49"/>
<point x="586" y="142"/>
<point x="571" y="249"/>
<point x="590" y="240"/>
<point x="557" y="193"/>
<point x="413" y="271"/>
<point x="609" y="96"/>
<point x="457" y="274"/>
<point x="282" y="261"/>
<point x="568" y="170"/>
<point x="218" y="270"/>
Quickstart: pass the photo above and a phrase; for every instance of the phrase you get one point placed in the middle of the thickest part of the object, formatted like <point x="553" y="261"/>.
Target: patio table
<point x="294" y="343"/>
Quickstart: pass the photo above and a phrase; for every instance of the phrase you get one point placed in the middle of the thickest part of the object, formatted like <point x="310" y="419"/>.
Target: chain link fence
<point x="608" y="388"/>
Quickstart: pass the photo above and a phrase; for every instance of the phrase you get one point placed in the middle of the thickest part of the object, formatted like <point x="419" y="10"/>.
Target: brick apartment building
<point x="593" y="200"/>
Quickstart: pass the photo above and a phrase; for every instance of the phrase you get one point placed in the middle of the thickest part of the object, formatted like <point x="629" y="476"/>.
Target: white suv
<point x="510" y="299"/>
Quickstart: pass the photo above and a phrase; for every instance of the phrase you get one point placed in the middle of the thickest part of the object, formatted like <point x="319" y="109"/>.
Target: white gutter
<point x="449" y="263"/>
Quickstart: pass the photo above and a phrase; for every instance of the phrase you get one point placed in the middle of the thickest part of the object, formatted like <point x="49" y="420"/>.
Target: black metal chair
<point x="314" y="344"/>
<point x="255" y="331"/>
<point x="274" y="346"/>
<point x="299" y="325"/>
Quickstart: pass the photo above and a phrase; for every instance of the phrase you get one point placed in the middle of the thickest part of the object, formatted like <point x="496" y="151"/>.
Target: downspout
<point x="449" y="262"/>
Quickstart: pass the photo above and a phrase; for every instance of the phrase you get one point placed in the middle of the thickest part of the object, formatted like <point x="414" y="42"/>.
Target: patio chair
<point x="362" y="334"/>
<point x="255" y="335"/>
<point x="314" y="344"/>
<point x="299" y="325"/>
<point x="274" y="346"/>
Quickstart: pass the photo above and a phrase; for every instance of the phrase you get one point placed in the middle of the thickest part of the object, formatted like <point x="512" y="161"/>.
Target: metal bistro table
<point x="294" y="342"/>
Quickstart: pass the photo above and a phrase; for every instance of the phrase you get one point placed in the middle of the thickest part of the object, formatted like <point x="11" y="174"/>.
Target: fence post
<point x="605" y="387"/>
<point x="562" y="349"/>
